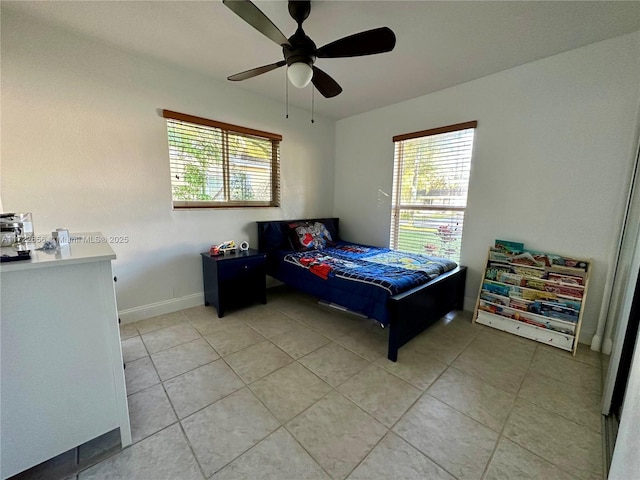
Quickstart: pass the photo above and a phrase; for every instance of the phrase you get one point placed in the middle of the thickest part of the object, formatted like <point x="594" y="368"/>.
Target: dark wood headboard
<point x="273" y="235"/>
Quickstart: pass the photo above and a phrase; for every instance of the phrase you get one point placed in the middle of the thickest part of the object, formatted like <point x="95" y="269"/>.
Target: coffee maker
<point x="15" y="229"/>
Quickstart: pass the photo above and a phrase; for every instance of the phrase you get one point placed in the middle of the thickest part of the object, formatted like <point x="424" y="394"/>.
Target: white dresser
<point x="62" y="378"/>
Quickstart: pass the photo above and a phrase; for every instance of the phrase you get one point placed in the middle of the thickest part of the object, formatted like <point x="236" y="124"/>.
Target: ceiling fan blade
<point x="258" y="20"/>
<point x="370" y="42"/>
<point x="254" y="72"/>
<point x="326" y="85"/>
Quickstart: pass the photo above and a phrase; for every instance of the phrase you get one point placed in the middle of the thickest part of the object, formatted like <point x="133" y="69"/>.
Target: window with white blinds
<point x="215" y="164"/>
<point x="430" y="183"/>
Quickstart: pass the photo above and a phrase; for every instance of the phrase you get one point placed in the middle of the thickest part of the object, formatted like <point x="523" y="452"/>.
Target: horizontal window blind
<point x="214" y="164"/>
<point x="430" y="184"/>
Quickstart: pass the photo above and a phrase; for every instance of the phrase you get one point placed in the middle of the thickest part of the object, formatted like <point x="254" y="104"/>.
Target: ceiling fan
<point x="300" y="53"/>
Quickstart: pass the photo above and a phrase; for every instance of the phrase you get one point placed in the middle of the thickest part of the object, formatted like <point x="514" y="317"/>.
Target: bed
<point x="378" y="283"/>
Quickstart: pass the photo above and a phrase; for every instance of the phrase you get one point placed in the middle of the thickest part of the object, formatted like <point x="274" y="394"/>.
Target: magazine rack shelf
<point x="537" y="295"/>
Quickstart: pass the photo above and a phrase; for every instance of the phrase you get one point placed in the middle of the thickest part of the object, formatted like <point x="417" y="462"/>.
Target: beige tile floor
<point x="293" y="390"/>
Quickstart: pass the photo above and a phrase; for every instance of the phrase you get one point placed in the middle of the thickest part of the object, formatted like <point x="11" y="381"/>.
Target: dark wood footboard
<point x="413" y="311"/>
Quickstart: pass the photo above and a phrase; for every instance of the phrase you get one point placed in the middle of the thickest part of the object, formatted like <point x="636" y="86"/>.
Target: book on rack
<point x="526" y="317"/>
<point x="565" y="279"/>
<point x="497" y="288"/>
<point x="494" y="298"/>
<point x="519" y="303"/>
<point x="506" y="246"/>
<point x="510" y="278"/>
<point x="495" y="269"/>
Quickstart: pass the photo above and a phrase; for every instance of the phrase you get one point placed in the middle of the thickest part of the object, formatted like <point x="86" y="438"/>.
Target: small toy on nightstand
<point x="225" y="247"/>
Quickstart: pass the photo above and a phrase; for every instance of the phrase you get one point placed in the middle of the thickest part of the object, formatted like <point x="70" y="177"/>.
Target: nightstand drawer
<point x="240" y="268"/>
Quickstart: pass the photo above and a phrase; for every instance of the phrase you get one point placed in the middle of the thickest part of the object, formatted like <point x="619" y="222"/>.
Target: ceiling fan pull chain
<point x="312" y="97"/>
<point x="286" y="89"/>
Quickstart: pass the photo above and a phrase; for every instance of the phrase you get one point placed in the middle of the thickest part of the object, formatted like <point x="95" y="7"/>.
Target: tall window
<point x="430" y="182"/>
<point x="215" y="164"/>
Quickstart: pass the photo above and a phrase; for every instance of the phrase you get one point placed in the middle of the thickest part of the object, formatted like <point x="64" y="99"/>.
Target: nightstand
<point x="234" y="279"/>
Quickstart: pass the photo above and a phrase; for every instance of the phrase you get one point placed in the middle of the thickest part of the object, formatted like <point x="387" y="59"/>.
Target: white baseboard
<point x="596" y="343"/>
<point x="585" y="338"/>
<point x="134" y="314"/>
<point x="607" y="346"/>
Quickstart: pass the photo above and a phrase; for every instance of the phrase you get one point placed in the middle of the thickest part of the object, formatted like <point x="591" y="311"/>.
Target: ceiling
<point x="439" y="44"/>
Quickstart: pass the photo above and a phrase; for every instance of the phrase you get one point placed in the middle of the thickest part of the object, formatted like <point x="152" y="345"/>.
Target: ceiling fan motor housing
<point x="301" y="49"/>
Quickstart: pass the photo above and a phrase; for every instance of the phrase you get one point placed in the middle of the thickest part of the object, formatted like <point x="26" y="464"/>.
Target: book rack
<point x="536" y="295"/>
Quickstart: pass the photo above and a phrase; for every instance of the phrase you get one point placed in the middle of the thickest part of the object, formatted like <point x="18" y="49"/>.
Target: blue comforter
<point x="393" y="271"/>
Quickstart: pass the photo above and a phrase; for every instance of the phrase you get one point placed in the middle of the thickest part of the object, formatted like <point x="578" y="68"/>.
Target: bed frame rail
<point x="414" y="310"/>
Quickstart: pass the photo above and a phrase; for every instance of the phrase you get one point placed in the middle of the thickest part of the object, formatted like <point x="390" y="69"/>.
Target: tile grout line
<point x="509" y="416"/>
<point x="425" y="392"/>
<point x="390" y="429"/>
<point x="479" y="378"/>
<point x="506" y="422"/>
<point x="540" y="347"/>
<point x="592" y="430"/>
<point x="193" y="453"/>
<point x="246" y="385"/>
<point x="284" y="425"/>
<point x="308" y="353"/>
<point x="333" y="389"/>
<point x="176" y="345"/>
<point x="310" y="328"/>
<point x="536" y="454"/>
<point x="191" y="369"/>
<point x="178" y="421"/>
<point x="453" y="407"/>
<point x="174" y="412"/>
<point x="567" y="355"/>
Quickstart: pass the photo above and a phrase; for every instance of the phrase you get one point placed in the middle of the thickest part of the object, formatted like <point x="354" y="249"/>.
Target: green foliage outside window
<point x="198" y="164"/>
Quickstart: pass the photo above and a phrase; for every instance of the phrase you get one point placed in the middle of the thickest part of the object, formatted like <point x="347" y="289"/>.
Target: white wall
<point x="551" y="164"/>
<point x="83" y="147"/>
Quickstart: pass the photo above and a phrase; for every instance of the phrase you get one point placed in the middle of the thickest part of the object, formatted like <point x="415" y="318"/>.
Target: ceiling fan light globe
<point x="299" y="74"/>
